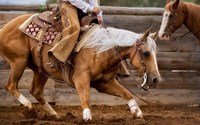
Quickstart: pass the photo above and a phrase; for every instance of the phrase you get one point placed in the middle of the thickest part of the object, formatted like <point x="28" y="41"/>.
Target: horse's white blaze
<point x="135" y="110"/>
<point x="25" y="101"/>
<point x="49" y="109"/>
<point x="163" y="25"/>
<point x="155" y="62"/>
<point x="87" y="114"/>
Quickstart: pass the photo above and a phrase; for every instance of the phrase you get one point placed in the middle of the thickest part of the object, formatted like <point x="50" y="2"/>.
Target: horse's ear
<point x="168" y="1"/>
<point x="175" y="4"/>
<point x="146" y="34"/>
<point x="154" y="35"/>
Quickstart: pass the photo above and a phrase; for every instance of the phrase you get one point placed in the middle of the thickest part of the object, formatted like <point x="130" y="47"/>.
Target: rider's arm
<point x="95" y="3"/>
<point x="85" y="7"/>
<point x="92" y="6"/>
<point x="80" y="4"/>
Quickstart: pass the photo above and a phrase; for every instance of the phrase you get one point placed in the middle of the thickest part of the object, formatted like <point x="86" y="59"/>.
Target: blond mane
<point x="103" y="39"/>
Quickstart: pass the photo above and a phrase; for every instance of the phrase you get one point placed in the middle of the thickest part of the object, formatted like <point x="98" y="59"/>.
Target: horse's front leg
<point x="82" y="85"/>
<point x="113" y="87"/>
<point x="17" y="66"/>
<point x="37" y="89"/>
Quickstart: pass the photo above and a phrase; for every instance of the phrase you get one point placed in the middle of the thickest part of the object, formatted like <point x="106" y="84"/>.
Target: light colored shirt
<point x="85" y="5"/>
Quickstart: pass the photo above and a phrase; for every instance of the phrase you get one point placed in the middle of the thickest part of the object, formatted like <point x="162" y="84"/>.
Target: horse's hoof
<point x="87" y="119"/>
<point x="139" y="121"/>
<point x="30" y="113"/>
<point x="29" y="106"/>
<point x="87" y="115"/>
<point x="57" y="116"/>
<point x="137" y="116"/>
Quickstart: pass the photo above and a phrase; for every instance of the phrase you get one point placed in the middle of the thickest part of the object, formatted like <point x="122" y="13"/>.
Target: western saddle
<point x="49" y="19"/>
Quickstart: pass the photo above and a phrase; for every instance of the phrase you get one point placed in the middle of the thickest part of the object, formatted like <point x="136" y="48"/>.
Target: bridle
<point x="171" y="23"/>
<point x="139" y="42"/>
<point x="171" y="26"/>
<point x="145" y="71"/>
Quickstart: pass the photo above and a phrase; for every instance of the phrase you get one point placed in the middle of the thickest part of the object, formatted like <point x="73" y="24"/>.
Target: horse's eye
<point x="146" y="53"/>
<point x="170" y="16"/>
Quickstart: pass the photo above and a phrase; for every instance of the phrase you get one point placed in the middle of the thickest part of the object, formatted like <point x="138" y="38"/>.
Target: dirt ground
<point x="102" y="115"/>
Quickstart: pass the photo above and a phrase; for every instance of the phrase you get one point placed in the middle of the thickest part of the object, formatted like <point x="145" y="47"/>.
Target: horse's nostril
<point x="155" y="80"/>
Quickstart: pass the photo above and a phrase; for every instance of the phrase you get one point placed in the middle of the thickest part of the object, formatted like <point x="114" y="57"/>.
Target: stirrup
<point x="52" y="65"/>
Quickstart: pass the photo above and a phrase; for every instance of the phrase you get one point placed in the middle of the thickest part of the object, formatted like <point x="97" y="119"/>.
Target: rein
<point x="139" y="49"/>
<point x="140" y="86"/>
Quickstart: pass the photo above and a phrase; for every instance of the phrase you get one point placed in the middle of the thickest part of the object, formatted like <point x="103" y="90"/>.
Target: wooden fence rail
<point x="108" y="10"/>
<point x="178" y="61"/>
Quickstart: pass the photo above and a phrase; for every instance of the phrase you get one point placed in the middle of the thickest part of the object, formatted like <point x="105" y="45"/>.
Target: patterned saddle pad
<point x="40" y="33"/>
<point x="50" y="37"/>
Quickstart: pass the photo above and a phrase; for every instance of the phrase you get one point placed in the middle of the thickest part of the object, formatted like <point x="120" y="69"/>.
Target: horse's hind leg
<point x="17" y="68"/>
<point x="114" y="88"/>
<point x="82" y="85"/>
<point x="37" y="88"/>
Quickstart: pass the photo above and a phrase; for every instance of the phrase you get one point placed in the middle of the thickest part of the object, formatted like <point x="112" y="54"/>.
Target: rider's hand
<point x="100" y="19"/>
<point x="96" y="10"/>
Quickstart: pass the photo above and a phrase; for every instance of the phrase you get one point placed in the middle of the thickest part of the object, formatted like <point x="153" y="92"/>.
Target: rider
<point x="71" y="27"/>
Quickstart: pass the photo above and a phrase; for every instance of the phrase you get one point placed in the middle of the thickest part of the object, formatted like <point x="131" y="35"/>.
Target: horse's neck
<point x="119" y="54"/>
<point x="192" y="21"/>
<point x="123" y="51"/>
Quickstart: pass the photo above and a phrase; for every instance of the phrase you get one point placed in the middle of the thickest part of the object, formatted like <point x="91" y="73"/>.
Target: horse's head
<point x="144" y="59"/>
<point x="173" y="18"/>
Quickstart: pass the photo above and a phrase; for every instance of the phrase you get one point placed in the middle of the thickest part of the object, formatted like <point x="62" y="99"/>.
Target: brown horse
<point x="91" y="67"/>
<point x="178" y="13"/>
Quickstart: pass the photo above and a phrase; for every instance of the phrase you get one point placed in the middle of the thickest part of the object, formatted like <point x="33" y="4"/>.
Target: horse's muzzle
<point x="153" y="82"/>
<point x="164" y="35"/>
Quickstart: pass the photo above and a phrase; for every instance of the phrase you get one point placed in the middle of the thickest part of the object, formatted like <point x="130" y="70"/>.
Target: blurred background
<point x="127" y="3"/>
<point x="139" y="3"/>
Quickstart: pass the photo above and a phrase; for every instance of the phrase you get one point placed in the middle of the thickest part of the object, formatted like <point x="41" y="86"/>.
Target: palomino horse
<point x="178" y="13"/>
<point x="94" y="66"/>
